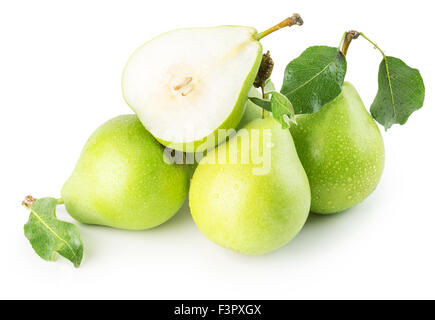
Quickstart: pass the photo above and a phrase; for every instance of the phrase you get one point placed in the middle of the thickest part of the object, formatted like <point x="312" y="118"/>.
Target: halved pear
<point x="186" y="84"/>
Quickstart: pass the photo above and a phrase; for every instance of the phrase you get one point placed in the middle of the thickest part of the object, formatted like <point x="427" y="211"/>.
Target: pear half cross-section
<point x="186" y="84"/>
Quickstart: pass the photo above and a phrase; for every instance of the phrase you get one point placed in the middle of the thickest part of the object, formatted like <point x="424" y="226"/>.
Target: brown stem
<point x="28" y="201"/>
<point x="348" y="37"/>
<point x="295" y="19"/>
<point x="263" y="112"/>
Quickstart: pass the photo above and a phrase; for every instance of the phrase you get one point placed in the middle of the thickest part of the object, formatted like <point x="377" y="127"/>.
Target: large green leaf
<point x="49" y="235"/>
<point x="314" y="78"/>
<point x="400" y="92"/>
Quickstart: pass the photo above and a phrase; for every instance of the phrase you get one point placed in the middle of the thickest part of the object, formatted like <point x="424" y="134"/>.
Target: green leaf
<point x="263" y="103"/>
<point x="401" y="91"/>
<point x="282" y="109"/>
<point x="49" y="235"/>
<point x="269" y="86"/>
<point x="280" y="106"/>
<point x="314" y="78"/>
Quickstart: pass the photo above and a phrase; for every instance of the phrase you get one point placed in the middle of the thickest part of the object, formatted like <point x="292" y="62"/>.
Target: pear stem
<point x="29" y="201"/>
<point x="263" y="112"/>
<point x="295" y="19"/>
<point x="347" y="39"/>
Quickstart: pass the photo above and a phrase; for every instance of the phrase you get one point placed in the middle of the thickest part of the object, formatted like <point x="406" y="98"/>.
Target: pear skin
<point x="245" y="205"/>
<point x="252" y="111"/>
<point x="342" y="151"/>
<point x="121" y="179"/>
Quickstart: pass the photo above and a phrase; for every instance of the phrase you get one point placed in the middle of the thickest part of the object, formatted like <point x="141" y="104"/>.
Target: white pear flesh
<point x="186" y="84"/>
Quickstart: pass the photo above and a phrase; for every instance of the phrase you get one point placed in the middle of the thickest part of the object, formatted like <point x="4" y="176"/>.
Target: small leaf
<point x="314" y="78"/>
<point x="49" y="235"/>
<point x="282" y="109"/>
<point x="401" y="91"/>
<point x="262" y="103"/>
<point x="269" y="86"/>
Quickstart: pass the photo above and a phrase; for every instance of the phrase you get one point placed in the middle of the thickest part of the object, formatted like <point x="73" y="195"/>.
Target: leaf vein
<point x="390" y="85"/>
<point x="52" y="231"/>
<point x="315" y="76"/>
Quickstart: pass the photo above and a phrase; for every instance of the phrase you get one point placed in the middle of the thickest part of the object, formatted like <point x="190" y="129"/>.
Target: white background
<point x="60" y="70"/>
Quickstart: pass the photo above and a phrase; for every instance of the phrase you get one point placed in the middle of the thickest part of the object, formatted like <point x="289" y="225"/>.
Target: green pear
<point x="186" y="84"/>
<point x="342" y="151"/>
<point x="251" y="194"/>
<point x="122" y="179"/>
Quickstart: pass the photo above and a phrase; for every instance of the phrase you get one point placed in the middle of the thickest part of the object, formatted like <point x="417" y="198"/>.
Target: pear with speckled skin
<point x="342" y="151"/>
<point x="122" y="179"/>
<point x="252" y="206"/>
